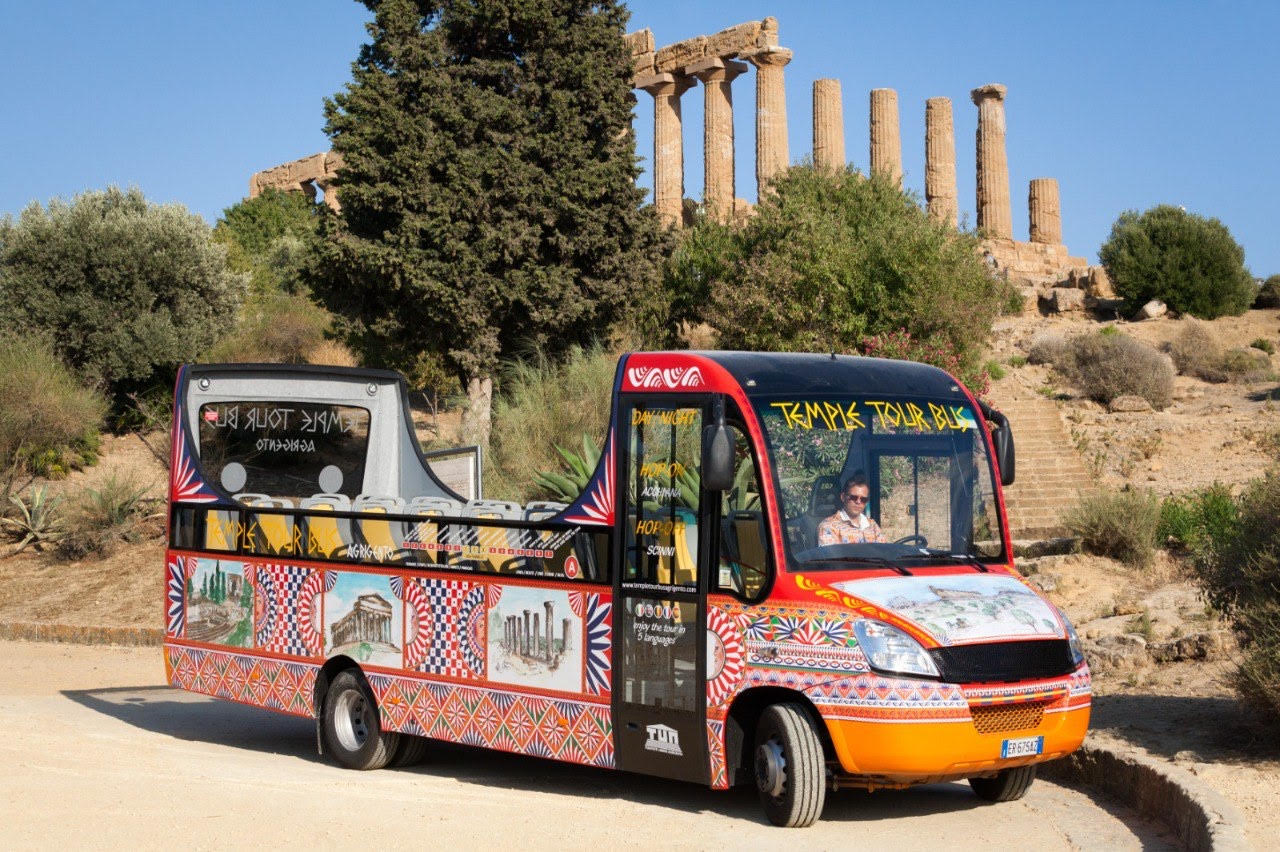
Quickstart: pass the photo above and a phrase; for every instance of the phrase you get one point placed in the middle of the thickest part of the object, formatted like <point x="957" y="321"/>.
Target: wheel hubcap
<point x="351" y="720"/>
<point x="771" y="768"/>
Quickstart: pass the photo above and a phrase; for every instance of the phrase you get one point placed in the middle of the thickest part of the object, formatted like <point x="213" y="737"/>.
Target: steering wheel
<point x="913" y="539"/>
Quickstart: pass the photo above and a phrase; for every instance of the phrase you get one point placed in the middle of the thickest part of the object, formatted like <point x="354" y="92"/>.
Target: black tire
<point x="351" y="726"/>
<point x="410" y="751"/>
<point x="1005" y="786"/>
<point x="790" y="768"/>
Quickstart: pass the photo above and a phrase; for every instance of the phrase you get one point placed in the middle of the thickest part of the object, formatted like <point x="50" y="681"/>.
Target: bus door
<point x="659" y="664"/>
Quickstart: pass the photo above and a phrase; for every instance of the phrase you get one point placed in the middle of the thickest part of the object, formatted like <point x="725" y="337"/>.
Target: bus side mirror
<point x="1002" y="437"/>
<point x="717" y="458"/>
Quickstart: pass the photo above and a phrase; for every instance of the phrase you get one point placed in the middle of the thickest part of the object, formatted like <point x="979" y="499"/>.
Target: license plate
<point x="1022" y="747"/>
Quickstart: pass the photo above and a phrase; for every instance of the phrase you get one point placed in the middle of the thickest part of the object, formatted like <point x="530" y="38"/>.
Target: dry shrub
<point x="278" y="329"/>
<point x="331" y="353"/>
<point x="1105" y="366"/>
<point x="1118" y="524"/>
<point x="1196" y="351"/>
<point x="1048" y="348"/>
<point x="100" y="519"/>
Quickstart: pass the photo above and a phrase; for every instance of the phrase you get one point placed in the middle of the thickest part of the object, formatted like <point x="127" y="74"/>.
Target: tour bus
<point x="791" y="570"/>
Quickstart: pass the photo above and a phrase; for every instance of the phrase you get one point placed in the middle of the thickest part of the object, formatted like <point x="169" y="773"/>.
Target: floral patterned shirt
<point x="841" y="529"/>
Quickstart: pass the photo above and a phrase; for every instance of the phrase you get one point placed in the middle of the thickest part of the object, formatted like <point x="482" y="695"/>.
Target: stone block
<point x="1198" y="646"/>
<point x="640" y="41"/>
<point x="642" y="64"/>
<point x="1098" y="284"/>
<point x="1128" y="402"/>
<point x="1064" y="299"/>
<point x="768" y="33"/>
<point x="732" y="40"/>
<point x="673" y="57"/>
<point x="1151" y="310"/>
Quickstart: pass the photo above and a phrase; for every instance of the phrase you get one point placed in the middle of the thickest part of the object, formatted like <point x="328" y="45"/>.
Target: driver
<point x="850" y="524"/>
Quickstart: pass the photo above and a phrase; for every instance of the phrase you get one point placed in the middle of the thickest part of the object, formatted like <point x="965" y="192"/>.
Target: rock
<point x="1065" y="299"/>
<point x="1098" y="285"/>
<point x="1116" y="652"/>
<point x="1126" y="608"/>
<point x="1031" y="548"/>
<point x="1045" y="581"/>
<point x="1198" y="646"/>
<point x="1151" y="310"/>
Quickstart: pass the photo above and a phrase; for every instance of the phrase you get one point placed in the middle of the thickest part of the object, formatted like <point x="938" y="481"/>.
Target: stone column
<point x="994" y="215"/>
<point x="886" y="141"/>
<point x="940" y="161"/>
<point x="1045" y="211"/>
<point x="772" y="156"/>
<point x="525" y="635"/>
<point x="717" y="133"/>
<point x="549" y="626"/>
<point x="828" y="126"/>
<point x="668" y="144"/>
<point x="537" y="633"/>
<point x="565" y="627"/>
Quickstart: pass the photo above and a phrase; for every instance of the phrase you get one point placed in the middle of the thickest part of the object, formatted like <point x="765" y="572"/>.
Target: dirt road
<point x="96" y="752"/>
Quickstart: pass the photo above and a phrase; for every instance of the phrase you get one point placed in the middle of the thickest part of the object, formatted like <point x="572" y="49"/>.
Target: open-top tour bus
<point x="711" y="608"/>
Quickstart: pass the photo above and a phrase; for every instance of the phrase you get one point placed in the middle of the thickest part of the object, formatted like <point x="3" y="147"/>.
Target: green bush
<point x="541" y="405"/>
<point x="1239" y="570"/>
<point x="1192" y="521"/>
<point x="1196" y="351"/>
<point x="100" y="519"/>
<point x="1118" y="524"/>
<point x="830" y="260"/>
<point x="124" y="289"/>
<point x="1264" y="345"/>
<point x="270" y="238"/>
<point x="48" y="422"/>
<point x="1105" y="366"/>
<point x="1189" y="262"/>
<point x="1268" y="294"/>
<point x="1049" y="348"/>
<point x="279" y="328"/>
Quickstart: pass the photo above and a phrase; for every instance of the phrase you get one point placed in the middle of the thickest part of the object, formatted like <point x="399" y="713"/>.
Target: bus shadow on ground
<point x="1209" y="729"/>
<point x="195" y="718"/>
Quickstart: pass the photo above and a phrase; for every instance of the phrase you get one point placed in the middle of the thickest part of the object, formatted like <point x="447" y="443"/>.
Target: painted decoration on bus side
<point x="288" y="620"/>
<point x="595" y="506"/>
<point x="535" y="639"/>
<point x="599" y="640"/>
<point x="663" y="378"/>
<point x="444" y="626"/>
<point x="725" y="655"/>
<point x="275" y="684"/>
<point x="562" y="729"/>
<point x="962" y="609"/>
<point x="364" y="619"/>
<point x="715" y="752"/>
<point x="797" y="638"/>
<point x="187" y="485"/>
<point x="220" y="604"/>
<point x="179" y="570"/>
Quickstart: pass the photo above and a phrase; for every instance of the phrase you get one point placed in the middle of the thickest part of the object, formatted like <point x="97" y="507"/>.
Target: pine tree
<point x="488" y="193"/>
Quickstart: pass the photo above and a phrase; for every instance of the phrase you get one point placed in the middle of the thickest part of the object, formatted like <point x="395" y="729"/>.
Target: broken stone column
<point x="549" y="625"/>
<point x="994" y="215"/>
<point x="940" y="161"/>
<point x="772" y="157"/>
<point x="1045" y="211"/>
<point x="828" y="126"/>
<point x="668" y="144"/>
<point x="716" y="75"/>
<point x="886" y="141"/>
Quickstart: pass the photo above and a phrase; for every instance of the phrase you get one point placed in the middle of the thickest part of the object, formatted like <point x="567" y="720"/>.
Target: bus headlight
<point x="890" y="650"/>
<point x="1073" y="640"/>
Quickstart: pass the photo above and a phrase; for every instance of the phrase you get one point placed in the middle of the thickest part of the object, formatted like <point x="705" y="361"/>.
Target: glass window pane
<point x="663" y="486"/>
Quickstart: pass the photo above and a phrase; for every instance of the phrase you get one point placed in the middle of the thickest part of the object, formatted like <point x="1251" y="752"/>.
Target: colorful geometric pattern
<point x="187" y="486"/>
<point x="561" y="729"/>
<point x="277" y="684"/>
<point x="175" y="595"/>
<point x="877" y="698"/>
<point x="420" y="629"/>
<point x="599" y="639"/>
<point x="783" y="637"/>
<point x="264" y="608"/>
<point x="715" y="752"/>
<point x="455" y="648"/>
<point x="287" y="625"/>
<point x="725" y="657"/>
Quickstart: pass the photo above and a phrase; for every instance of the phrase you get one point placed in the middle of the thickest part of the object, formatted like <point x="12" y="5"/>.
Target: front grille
<point x="1004" y="661"/>
<point x="1007" y="717"/>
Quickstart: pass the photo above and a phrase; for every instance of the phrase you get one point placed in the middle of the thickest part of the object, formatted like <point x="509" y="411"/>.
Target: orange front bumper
<point x="909" y="752"/>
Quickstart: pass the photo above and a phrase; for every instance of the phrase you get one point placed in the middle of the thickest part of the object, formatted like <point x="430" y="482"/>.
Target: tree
<point x="488" y="192"/>
<point x="839" y="263"/>
<point x="270" y="238"/>
<point x="1190" y="262"/>
<point x="124" y="288"/>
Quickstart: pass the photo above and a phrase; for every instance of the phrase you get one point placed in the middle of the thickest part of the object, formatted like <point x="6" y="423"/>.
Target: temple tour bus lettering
<point x="710" y="607"/>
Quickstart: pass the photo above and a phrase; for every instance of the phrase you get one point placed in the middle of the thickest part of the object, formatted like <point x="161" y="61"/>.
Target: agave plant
<point x="38" y="522"/>
<point x="568" y="485"/>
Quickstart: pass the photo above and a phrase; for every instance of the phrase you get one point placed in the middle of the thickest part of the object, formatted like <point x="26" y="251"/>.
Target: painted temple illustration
<point x="368" y="623"/>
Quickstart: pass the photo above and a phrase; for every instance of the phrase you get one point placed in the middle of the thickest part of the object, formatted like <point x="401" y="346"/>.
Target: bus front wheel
<point x="789" y="766"/>
<point x="352" y="731"/>
<point x="1006" y="785"/>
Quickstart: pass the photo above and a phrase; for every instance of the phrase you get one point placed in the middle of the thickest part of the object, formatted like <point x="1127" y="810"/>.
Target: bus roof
<point x="811" y="373"/>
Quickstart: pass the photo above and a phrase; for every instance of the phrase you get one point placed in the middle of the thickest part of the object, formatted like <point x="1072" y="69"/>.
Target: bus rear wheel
<point x="1005" y="786"/>
<point x="352" y="730"/>
<point x="789" y="766"/>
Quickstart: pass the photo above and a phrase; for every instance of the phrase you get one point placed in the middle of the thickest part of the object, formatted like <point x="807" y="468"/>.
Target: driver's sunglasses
<point x="855" y="498"/>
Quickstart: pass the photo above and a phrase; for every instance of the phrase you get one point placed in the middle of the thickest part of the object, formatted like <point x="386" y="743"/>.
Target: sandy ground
<point x="99" y="754"/>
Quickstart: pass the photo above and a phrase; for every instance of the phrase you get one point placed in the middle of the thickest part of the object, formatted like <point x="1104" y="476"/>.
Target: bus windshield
<point x="874" y="482"/>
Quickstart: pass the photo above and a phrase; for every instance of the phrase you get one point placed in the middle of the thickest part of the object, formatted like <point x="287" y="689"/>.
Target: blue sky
<point x="1126" y="104"/>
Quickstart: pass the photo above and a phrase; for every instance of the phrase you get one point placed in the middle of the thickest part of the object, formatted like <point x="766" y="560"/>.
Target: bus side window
<point x="744" y="550"/>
